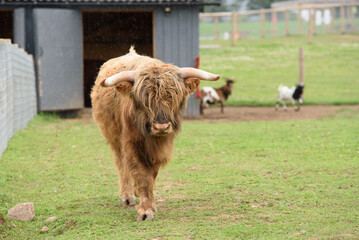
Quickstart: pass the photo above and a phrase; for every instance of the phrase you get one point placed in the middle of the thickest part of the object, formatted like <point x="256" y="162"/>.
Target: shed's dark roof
<point x="107" y="2"/>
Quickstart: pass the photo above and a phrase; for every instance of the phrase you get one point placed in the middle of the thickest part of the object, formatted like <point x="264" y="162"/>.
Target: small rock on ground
<point x="23" y="212"/>
<point x="51" y="219"/>
<point x="45" y="229"/>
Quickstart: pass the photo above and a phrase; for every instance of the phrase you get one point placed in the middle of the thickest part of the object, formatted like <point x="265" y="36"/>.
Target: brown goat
<point x="140" y="117"/>
<point x="211" y="95"/>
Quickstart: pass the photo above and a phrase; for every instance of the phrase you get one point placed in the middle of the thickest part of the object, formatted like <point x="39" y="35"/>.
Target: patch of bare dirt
<point x="85" y="115"/>
<point x="2" y="220"/>
<point x="245" y="114"/>
<point x="233" y="114"/>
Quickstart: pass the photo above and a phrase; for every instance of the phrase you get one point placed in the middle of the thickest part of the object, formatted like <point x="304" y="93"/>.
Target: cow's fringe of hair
<point x="158" y="92"/>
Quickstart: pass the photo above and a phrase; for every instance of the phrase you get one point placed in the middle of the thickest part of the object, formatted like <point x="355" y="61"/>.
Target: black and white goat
<point x="293" y="94"/>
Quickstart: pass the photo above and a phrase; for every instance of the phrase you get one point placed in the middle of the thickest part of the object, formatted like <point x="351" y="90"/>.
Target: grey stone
<point x="45" y="229"/>
<point x="23" y="212"/>
<point x="51" y="219"/>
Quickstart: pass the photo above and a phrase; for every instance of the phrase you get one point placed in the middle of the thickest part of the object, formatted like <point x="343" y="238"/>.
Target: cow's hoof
<point x="154" y="209"/>
<point x="128" y="202"/>
<point x="148" y="215"/>
<point x="145" y="217"/>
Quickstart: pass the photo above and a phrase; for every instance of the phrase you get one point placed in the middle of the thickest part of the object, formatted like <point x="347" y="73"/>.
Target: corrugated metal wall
<point x="17" y="91"/>
<point x="20" y="28"/>
<point x="177" y="42"/>
<point x="59" y="56"/>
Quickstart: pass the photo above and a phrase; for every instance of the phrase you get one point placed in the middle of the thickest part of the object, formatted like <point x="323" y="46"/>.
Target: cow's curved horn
<point x="197" y="73"/>
<point x="118" y="77"/>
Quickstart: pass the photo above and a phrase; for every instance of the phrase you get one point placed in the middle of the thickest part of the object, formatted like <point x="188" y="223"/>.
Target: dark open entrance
<point x="110" y="34"/>
<point x="6" y="24"/>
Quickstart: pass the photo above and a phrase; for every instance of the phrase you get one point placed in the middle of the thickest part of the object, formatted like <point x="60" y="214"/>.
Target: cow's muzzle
<point x="161" y="129"/>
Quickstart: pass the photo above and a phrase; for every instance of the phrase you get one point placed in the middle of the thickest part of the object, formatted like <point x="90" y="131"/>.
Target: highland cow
<point x="138" y="103"/>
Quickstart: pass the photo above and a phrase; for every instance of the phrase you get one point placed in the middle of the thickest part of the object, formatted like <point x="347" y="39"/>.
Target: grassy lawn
<point x="243" y="180"/>
<point x="331" y="68"/>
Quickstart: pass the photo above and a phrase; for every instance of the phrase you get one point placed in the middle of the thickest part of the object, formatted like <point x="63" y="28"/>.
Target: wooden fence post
<point x="274" y="23"/>
<point x="314" y="20"/>
<point x="325" y="25"/>
<point x="286" y="22"/>
<point x="301" y="66"/>
<point x="216" y="31"/>
<point x="325" y="29"/>
<point x="262" y="23"/>
<point x="310" y="26"/>
<point x="342" y="27"/>
<point x="300" y="20"/>
<point x="233" y="28"/>
<point x="239" y="25"/>
<point x="352" y="16"/>
<point x="332" y="19"/>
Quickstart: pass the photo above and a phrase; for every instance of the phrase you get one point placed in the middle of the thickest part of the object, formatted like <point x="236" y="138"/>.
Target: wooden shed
<point x="70" y="39"/>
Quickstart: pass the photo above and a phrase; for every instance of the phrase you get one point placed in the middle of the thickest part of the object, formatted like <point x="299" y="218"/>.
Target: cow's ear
<point x="191" y="84"/>
<point x="124" y="87"/>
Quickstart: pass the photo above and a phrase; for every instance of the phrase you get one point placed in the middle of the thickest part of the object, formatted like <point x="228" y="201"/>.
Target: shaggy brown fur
<point x="129" y="115"/>
<point x="223" y="92"/>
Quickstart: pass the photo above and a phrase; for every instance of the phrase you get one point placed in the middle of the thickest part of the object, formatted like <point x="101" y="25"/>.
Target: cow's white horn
<point x="118" y="77"/>
<point x="197" y="73"/>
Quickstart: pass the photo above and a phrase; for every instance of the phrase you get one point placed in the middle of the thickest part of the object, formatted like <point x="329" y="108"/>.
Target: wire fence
<point x="307" y="19"/>
<point x="17" y="91"/>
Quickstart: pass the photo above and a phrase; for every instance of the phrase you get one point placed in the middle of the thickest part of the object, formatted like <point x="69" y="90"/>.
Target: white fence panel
<point x="17" y="91"/>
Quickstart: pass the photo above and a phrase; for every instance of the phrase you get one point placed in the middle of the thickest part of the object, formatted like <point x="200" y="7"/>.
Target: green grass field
<point x="240" y="180"/>
<point x="331" y="68"/>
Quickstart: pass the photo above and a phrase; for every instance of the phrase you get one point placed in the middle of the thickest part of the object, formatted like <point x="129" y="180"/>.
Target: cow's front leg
<point x="126" y="189"/>
<point x="144" y="180"/>
<point x="126" y="192"/>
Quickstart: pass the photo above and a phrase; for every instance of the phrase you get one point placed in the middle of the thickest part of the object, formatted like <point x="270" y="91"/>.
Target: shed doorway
<point x="6" y="24"/>
<point x="110" y="34"/>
